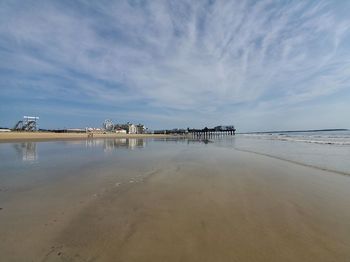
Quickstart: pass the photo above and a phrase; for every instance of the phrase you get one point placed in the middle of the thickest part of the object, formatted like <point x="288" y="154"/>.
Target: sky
<point x="258" y="65"/>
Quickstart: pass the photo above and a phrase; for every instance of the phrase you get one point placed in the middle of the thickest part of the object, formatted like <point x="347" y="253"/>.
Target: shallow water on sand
<point x="332" y="157"/>
<point x="167" y="200"/>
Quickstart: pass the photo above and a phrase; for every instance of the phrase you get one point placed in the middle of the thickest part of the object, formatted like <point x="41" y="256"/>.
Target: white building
<point x="120" y="131"/>
<point x="132" y="129"/>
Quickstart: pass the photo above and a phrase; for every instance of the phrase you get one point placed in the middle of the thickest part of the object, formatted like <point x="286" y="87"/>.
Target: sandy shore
<point x="213" y="204"/>
<point x="46" y="136"/>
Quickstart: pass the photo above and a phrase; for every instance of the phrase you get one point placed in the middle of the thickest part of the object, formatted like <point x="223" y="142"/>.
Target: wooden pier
<point x="206" y="133"/>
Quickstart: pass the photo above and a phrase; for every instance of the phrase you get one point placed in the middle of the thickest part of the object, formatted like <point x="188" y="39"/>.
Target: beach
<point x="174" y="131"/>
<point x="167" y="200"/>
<point x="49" y="136"/>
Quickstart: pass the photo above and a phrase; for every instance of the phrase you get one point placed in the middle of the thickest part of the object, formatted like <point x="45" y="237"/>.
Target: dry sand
<point x="47" y="136"/>
<point x="235" y="207"/>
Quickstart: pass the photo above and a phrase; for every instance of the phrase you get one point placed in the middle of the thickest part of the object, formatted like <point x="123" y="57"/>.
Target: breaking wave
<point x="339" y="138"/>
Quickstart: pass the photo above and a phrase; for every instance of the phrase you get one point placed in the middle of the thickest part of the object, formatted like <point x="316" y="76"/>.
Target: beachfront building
<point x="140" y="129"/>
<point x="132" y="129"/>
<point x="120" y="131"/>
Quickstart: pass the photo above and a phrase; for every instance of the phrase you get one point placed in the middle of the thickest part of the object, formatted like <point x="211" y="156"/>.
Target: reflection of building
<point x="136" y="142"/>
<point x="27" y="151"/>
<point x="112" y="144"/>
<point x="124" y="142"/>
<point x="132" y="143"/>
<point x="93" y="142"/>
<point x="140" y="143"/>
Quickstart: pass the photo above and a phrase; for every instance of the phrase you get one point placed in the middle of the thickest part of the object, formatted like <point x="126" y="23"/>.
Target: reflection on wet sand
<point x="112" y="144"/>
<point x="27" y="151"/>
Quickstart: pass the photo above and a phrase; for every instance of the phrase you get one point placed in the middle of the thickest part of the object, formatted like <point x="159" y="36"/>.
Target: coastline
<point x="50" y="136"/>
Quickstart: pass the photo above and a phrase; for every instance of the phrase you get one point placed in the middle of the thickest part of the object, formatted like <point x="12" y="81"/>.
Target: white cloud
<point x="182" y="55"/>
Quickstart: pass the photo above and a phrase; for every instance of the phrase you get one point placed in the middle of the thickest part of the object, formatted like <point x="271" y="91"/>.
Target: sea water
<point x="328" y="150"/>
<point x="316" y="137"/>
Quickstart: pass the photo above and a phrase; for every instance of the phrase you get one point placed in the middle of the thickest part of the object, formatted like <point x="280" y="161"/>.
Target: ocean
<point x="328" y="150"/>
<point x="316" y="137"/>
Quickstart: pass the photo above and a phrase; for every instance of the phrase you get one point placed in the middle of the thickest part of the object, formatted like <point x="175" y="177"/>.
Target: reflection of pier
<point x="27" y="151"/>
<point x="207" y="133"/>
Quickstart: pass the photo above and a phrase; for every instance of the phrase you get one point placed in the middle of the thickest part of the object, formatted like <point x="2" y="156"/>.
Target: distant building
<point x="122" y="126"/>
<point x="120" y="131"/>
<point x="132" y="129"/>
<point x="140" y="129"/>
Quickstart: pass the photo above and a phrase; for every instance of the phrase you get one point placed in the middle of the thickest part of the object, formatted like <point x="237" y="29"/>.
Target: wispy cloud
<point x="192" y="58"/>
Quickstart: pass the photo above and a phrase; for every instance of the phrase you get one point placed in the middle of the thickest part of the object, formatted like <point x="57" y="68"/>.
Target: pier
<point x="206" y="133"/>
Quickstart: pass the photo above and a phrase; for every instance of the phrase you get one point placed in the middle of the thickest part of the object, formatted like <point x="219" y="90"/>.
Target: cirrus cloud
<point x="180" y="60"/>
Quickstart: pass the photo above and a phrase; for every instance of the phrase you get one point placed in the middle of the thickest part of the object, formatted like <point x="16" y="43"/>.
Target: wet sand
<point x="191" y="204"/>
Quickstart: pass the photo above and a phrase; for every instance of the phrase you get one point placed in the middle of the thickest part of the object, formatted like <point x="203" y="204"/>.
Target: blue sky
<point x="261" y="65"/>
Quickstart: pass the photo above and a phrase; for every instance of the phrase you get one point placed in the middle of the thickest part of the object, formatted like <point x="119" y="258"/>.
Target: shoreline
<point x="50" y="136"/>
